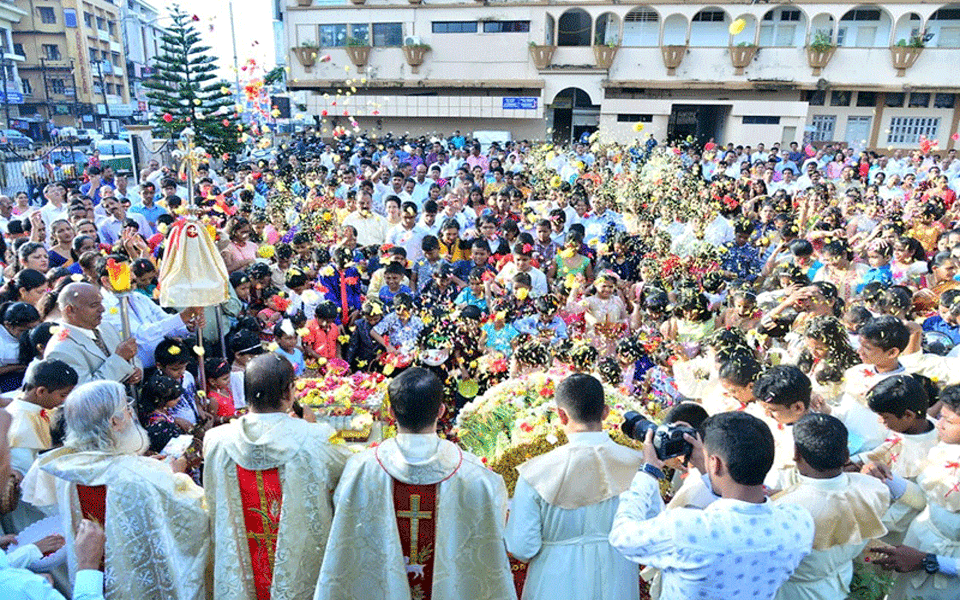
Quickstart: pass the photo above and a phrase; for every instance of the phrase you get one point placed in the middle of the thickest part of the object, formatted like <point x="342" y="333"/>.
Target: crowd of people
<point x="797" y="308"/>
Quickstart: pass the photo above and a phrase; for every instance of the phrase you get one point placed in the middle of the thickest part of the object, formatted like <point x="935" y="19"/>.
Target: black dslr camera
<point x="667" y="439"/>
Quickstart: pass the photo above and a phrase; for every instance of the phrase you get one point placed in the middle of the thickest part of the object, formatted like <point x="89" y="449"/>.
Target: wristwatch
<point x="930" y="563"/>
<point x="652" y="471"/>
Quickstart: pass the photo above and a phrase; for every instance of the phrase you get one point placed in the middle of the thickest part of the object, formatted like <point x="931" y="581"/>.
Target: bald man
<point x="93" y="348"/>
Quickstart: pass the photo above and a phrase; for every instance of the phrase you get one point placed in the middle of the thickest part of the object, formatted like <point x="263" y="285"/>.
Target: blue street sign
<point x="520" y="103"/>
<point x="11" y="97"/>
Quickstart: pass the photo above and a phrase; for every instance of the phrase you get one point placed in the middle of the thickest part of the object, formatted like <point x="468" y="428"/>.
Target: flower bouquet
<point x="349" y="403"/>
<point x="515" y="421"/>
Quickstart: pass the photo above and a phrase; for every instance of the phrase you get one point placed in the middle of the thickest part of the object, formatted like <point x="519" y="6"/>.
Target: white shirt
<point x="731" y="550"/>
<point x="410" y="239"/>
<point x="538" y="281"/>
<point x="21" y="584"/>
<point x="149" y="323"/>
<point x="370" y="230"/>
<point x="110" y="227"/>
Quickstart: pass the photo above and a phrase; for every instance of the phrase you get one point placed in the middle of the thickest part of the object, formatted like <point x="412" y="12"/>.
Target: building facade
<point x="74" y="67"/>
<point x="142" y="39"/>
<point x="873" y="75"/>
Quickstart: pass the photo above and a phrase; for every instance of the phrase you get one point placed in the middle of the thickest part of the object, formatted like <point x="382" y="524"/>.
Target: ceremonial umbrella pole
<point x="192" y="272"/>
<point x="119" y="276"/>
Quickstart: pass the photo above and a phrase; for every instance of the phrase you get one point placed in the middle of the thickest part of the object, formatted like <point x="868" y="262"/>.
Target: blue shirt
<point x="532" y="325"/>
<point x="743" y="260"/>
<point x="881" y="274"/>
<point x="151" y="214"/>
<point x="936" y="323"/>
<point x="386" y="296"/>
<point x="295" y="358"/>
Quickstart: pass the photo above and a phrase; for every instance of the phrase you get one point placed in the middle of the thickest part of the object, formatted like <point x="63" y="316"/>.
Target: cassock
<point x="417" y="518"/>
<point x="269" y="482"/>
<point x="937" y="528"/>
<point x="154" y="519"/>
<point x="560" y="520"/>
<point x="29" y="435"/>
<point x="847" y="513"/>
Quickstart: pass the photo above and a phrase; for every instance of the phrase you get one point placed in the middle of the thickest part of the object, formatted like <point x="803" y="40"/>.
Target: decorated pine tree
<point x="186" y="92"/>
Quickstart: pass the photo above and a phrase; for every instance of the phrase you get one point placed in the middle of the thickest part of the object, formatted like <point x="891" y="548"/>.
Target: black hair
<point x="581" y="396"/>
<point x="899" y="395"/>
<point x="296" y="278"/>
<point x="801" y="247"/>
<point x="822" y="441"/>
<point x="745" y="444"/>
<point x="859" y="316"/>
<point x="51" y="374"/>
<point x="18" y="314"/>
<point x="415" y="397"/>
<point x="429" y="242"/>
<point x="394" y="268"/>
<point x="157" y="390"/>
<point x="784" y="385"/>
<point x="266" y="381"/>
<point x="950" y="396"/>
<point x="26" y="279"/>
<point x="609" y="370"/>
<point x="886" y="332"/>
<point x="216" y="367"/>
<point x="301" y="237"/>
<point x="742" y="369"/>
<point x="171" y="351"/>
<point x="33" y="342"/>
<point x="691" y="413"/>
<point x="326" y="310"/>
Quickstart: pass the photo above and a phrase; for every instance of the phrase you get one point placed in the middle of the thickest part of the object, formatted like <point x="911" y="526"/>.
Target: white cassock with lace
<point x="364" y="558"/>
<point x="156" y="526"/>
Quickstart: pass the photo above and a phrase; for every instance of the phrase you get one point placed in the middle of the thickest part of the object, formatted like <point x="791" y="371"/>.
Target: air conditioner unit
<point x="412" y="40"/>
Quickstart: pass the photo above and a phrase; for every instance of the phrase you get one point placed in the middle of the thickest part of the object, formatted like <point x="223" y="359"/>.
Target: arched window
<point x="864" y="27"/>
<point x="710" y="27"/>
<point x="574" y="28"/>
<point x="641" y="27"/>
<point x="607" y="30"/>
<point x="944" y="25"/>
<point x="783" y="26"/>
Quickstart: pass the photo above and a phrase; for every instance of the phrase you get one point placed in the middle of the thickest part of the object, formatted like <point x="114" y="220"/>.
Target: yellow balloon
<point x="737" y="26"/>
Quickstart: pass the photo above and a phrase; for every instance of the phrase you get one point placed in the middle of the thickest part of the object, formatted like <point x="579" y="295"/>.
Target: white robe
<point x="156" y="524"/>
<point x="29" y="435"/>
<point x="309" y="468"/>
<point x="560" y="520"/>
<point x="364" y="558"/>
<point x="847" y="512"/>
<point x="937" y="528"/>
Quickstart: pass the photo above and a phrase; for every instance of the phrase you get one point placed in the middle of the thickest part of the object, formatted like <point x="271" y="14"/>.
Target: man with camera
<point x="565" y="502"/>
<point x="740" y="543"/>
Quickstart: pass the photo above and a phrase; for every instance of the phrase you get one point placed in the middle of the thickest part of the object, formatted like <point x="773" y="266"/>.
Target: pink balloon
<point x="810" y="150"/>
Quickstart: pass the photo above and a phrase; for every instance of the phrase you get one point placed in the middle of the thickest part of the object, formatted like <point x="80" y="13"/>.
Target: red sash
<point x="416" y="507"/>
<point x="93" y="506"/>
<point x="262" y="497"/>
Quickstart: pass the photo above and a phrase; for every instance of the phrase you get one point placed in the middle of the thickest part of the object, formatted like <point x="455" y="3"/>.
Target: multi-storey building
<point x="74" y="67"/>
<point x="142" y="39"/>
<point x="872" y="74"/>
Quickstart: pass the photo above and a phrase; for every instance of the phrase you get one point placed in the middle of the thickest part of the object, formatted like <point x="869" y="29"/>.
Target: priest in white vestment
<point x="416" y="516"/>
<point x="847" y="510"/>
<point x="565" y="502"/>
<point x="154" y="518"/>
<point x="269" y="445"/>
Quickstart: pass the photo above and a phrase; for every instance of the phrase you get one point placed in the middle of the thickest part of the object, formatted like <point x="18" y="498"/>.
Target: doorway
<point x="574" y="116"/>
<point x="698" y="122"/>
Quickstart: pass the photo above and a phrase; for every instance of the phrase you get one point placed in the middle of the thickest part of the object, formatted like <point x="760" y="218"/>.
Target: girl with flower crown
<point x="605" y="312"/>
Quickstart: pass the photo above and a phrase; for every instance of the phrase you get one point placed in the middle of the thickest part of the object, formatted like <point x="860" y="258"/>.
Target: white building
<point x="10" y="15"/>
<point x="142" y="38"/>
<point x="672" y="69"/>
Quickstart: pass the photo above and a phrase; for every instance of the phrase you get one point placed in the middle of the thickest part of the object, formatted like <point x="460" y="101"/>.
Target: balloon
<point x="709" y="146"/>
<point x="638" y="127"/>
<point x="737" y="26"/>
<point x="810" y="150"/>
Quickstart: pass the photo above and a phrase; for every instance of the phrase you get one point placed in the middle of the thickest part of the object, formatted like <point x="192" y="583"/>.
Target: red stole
<point x="344" y="305"/>
<point x="416" y="507"/>
<point x="262" y="497"/>
<point x="93" y="506"/>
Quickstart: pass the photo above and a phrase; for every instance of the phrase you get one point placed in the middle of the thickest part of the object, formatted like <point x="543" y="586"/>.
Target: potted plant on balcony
<point x="906" y="52"/>
<point x="672" y="56"/>
<point x="605" y="53"/>
<point x="414" y="54"/>
<point x="820" y="51"/>
<point x="742" y="55"/>
<point x="542" y="54"/>
<point x="306" y="53"/>
<point x="358" y="50"/>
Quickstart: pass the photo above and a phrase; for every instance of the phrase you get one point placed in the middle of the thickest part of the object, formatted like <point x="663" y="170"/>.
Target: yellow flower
<point x="521" y="293"/>
<point x="343" y="339"/>
<point x="566" y="253"/>
<point x="303" y="331"/>
<point x="571" y="280"/>
<point x="173" y="350"/>
<point x="198" y="350"/>
<point x="638" y="127"/>
<point x="266" y="251"/>
<point x="114" y="310"/>
<point x="273" y="347"/>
